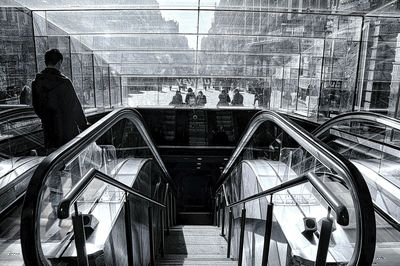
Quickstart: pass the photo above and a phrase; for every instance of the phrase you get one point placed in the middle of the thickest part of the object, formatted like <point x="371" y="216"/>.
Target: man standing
<point x="237" y="98"/>
<point x="55" y="102"/>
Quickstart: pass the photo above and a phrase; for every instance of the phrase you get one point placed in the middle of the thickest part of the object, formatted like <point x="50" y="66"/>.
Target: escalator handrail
<point x="358" y="116"/>
<point x="16" y="111"/>
<point x="366" y="237"/>
<point x="25" y="112"/>
<point x="382" y="213"/>
<point x="65" y="204"/>
<point x="369" y="117"/>
<point x="30" y="240"/>
<point x="342" y="215"/>
<point x="387" y="217"/>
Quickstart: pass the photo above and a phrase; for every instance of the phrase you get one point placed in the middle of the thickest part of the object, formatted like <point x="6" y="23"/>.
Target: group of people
<point x="191" y="98"/>
<point x="225" y="100"/>
<point x="262" y="96"/>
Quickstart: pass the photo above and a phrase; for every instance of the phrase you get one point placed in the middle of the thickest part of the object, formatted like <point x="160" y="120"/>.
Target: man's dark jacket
<point x="237" y="99"/>
<point x="55" y="102"/>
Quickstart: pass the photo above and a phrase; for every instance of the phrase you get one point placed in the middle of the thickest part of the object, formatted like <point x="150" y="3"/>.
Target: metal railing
<point x="358" y="116"/>
<point x="30" y="231"/>
<point x="364" y="213"/>
<point x="77" y="218"/>
<point x="372" y="118"/>
<point x="342" y="216"/>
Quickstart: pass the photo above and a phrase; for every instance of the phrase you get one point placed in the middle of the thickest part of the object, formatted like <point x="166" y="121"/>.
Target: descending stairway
<point x="195" y="245"/>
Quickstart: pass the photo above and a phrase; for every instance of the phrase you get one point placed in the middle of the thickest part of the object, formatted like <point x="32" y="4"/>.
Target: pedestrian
<point x="258" y="97"/>
<point x="237" y="98"/>
<point x="176" y="99"/>
<point x="190" y="98"/>
<point x="266" y="96"/>
<point x="56" y="104"/>
<point x="26" y="95"/>
<point x="201" y="99"/>
<point x="224" y="98"/>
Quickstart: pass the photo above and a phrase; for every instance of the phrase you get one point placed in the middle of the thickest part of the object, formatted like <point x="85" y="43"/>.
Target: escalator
<point x="21" y="142"/>
<point x="371" y="142"/>
<point x="107" y="198"/>
<point x="21" y="151"/>
<point x="284" y="197"/>
<point x="104" y="192"/>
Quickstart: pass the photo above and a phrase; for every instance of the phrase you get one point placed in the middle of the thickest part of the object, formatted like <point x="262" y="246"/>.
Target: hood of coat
<point x="49" y="79"/>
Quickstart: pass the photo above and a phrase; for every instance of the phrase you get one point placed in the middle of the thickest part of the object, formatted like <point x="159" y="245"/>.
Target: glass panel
<point x="21" y="150"/>
<point x="293" y="62"/>
<point x="124" y="21"/>
<point x="122" y="154"/>
<point x="17" y="59"/>
<point x="82" y="69"/>
<point x="270" y="158"/>
<point x="101" y="82"/>
<point x="379" y="76"/>
<point x="62" y="43"/>
<point x="374" y="149"/>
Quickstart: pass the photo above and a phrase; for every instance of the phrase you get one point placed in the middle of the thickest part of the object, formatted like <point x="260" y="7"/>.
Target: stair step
<point x="196" y="249"/>
<point x="194" y="256"/>
<point x="177" y="259"/>
<point x="189" y="262"/>
<point x="195" y="245"/>
<point x="194" y="232"/>
<point x="194" y="218"/>
<point x="197" y="239"/>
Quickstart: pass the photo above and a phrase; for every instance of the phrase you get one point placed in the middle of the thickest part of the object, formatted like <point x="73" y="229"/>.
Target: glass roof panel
<point x="281" y="5"/>
<point x="124" y="21"/>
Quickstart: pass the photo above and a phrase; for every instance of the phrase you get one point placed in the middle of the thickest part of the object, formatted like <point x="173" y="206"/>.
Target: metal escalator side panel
<point x="364" y="212"/>
<point x="105" y="131"/>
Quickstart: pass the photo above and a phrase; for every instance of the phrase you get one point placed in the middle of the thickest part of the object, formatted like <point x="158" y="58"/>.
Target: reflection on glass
<point x="309" y="62"/>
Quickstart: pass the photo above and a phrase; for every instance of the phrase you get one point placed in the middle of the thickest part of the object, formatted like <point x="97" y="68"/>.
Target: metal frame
<point x="30" y="240"/>
<point x="364" y="212"/>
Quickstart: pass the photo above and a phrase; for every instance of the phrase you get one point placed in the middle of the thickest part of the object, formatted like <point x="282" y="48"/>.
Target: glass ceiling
<point x="193" y="38"/>
<point x="298" y="47"/>
<point x="196" y="37"/>
<point x="281" y="5"/>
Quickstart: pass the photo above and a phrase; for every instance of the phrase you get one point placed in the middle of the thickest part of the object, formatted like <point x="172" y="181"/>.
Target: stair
<point x="195" y="218"/>
<point x="195" y="245"/>
<point x="198" y="129"/>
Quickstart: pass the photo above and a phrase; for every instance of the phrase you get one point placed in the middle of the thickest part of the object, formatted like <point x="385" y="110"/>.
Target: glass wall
<point x="17" y="56"/>
<point x="379" y="73"/>
<point x="313" y="59"/>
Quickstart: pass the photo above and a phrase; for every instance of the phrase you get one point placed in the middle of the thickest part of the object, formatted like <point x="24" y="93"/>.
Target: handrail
<point x="166" y="193"/>
<point x="387" y="217"/>
<point x="369" y="117"/>
<point x="30" y="238"/>
<point x="342" y="215"/>
<point x="22" y="111"/>
<point x="365" y="220"/>
<point x="225" y="197"/>
<point x="358" y="116"/>
<point x="73" y="195"/>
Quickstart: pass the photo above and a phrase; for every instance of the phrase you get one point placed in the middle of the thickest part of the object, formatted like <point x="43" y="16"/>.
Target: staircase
<point x="198" y="129"/>
<point x="195" y="245"/>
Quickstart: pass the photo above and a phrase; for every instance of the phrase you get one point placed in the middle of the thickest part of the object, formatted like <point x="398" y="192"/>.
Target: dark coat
<point x="237" y="99"/>
<point x="55" y="102"/>
<point x="224" y="99"/>
<point x="190" y="98"/>
<point x="201" y="99"/>
<point x="176" y="99"/>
